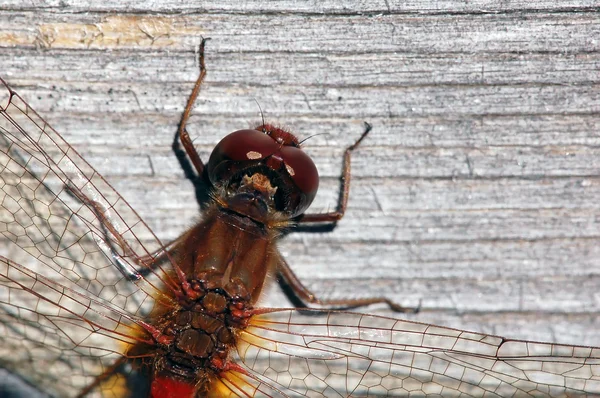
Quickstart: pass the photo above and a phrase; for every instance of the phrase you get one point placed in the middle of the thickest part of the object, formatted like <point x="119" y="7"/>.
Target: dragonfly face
<point x="93" y="293"/>
<point x="266" y="160"/>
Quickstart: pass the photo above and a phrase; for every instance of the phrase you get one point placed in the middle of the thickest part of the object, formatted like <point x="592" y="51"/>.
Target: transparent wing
<point x="63" y="222"/>
<point x="342" y="354"/>
<point x="60" y="211"/>
<point x="59" y="337"/>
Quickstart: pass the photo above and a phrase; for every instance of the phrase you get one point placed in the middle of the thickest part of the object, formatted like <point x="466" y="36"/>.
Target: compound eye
<point x="243" y="150"/>
<point x="302" y="170"/>
<point x="244" y="145"/>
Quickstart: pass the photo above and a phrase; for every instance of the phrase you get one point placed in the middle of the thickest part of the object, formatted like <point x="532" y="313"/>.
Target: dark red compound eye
<point x="245" y="145"/>
<point x="278" y="150"/>
<point x="302" y="170"/>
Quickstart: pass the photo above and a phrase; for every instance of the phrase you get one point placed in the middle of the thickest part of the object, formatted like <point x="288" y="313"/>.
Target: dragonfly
<point x="94" y="304"/>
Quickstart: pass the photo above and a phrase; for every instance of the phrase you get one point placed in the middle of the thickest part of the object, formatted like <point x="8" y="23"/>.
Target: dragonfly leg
<point x="337" y="215"/>
<point x="307" y="297"/>
<point x="135" y="380"/>
<point x="145" y="264"/>
<point x="108" y="373"/>
<point x="182" y="134"/>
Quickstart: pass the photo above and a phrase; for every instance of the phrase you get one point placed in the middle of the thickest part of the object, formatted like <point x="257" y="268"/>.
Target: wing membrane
<point x="39" y="172"/>
<point x="341" y="354"/>
<point x="49" y="330"/>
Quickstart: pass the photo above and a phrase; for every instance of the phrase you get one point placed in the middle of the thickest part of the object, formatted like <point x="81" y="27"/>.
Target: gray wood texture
<point x="477" y="193"/>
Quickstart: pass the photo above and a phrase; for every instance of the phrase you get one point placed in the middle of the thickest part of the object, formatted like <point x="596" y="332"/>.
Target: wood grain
<point x="476" y="194"/>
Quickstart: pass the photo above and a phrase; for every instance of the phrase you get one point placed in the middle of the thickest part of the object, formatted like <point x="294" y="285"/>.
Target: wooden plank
<point x="418" y="132"/>
<point x="308" y="7"/>
<point x="476" y="193"/>
<point x="325" y="101"/>
<point x="426" y="34"/>
<point x="303" y="69"/>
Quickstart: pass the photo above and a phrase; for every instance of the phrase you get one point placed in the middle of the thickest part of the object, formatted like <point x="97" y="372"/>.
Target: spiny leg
<point x="108" y="373"/>
<point x="145" y="264"/>
<point x="149" y="262"/>
<point x="307" y="297"/>
<point x="182" y="134"/>
<point x="337" y="215"/>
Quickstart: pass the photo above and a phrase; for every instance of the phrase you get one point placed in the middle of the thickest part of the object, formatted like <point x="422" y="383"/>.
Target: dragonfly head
<point x="265" y="166"/>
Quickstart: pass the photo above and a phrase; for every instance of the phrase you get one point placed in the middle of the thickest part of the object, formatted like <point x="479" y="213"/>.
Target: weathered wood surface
<point x="477" y="194"/>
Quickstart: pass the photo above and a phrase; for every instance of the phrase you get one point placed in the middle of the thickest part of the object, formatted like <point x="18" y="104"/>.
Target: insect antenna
<point x="262" y="115"/>
<point x="311" y="136"/>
